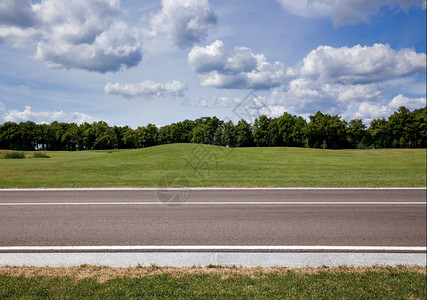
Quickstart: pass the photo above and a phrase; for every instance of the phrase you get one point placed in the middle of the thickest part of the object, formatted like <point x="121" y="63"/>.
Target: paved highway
<point x="213" y="217"/>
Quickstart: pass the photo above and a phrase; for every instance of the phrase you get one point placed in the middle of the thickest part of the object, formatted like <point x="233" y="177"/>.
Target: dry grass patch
<point x="213" y="282"/>
<point x="102" y="273"/>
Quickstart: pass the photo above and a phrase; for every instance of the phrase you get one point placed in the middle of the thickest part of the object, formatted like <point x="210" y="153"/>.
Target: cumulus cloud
<point x="369" y="111"/>
<point x="306" y="97"/>
<point x="234" y="69"/>
<point x="75" y="34"/>
<point x="410" y="103"/>
<point x="332" y="80"/>
<point x="45" y="117"/>
<point x="183" y="22"/>
<point x="146" y="88"/>
<point x="344" y="12"/>
<point x="352" y="82"/>
<point x="361" y="64"/>
<point x="336" y="77"/>
<point x="113" y="49"/>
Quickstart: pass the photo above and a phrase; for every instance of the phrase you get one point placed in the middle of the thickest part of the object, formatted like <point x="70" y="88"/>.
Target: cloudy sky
<point x="134" y="62"/>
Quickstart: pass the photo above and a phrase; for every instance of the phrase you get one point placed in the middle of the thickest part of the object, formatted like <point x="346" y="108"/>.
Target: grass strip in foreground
<point x="212" y="282"/>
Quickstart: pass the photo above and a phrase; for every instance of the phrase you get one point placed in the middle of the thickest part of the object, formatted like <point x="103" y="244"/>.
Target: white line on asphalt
<point x="212" y="248"/>
<point x="214" y="203"/>
<point x="207" y="189"/>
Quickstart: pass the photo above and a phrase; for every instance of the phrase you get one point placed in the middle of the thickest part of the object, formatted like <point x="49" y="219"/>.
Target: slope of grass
<point x="192" y="165"/>
<point x="89" y="282"/>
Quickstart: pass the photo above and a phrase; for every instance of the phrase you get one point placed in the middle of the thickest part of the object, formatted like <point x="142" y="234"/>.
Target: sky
<point x="135" y="62"/>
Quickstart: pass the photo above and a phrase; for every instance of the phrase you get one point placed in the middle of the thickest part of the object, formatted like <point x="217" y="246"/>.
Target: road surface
<point x="213" y="219"/>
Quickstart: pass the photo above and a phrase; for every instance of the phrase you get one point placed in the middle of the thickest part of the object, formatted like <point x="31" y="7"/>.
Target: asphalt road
<point x="188" y="217"/>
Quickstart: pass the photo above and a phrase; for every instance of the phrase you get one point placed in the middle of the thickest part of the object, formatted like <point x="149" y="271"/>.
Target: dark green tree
<point x="356" y="134"/>
<point x="326" y="131"/>
<point x="244" y="137"/>
<point x="9" y="136"/>
<point x="420" y="135"/>
<point x="260" y="130"/>
<point x="402" y="126"/>
<point x="229" y="135"/>
<point x="379" y="134"/>
<point x="130" y="139"/>
<point x="72" y="139"/>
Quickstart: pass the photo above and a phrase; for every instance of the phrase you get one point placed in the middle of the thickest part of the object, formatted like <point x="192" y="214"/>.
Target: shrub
<point x="40" y="155"/>
<point x="14" y="155"/>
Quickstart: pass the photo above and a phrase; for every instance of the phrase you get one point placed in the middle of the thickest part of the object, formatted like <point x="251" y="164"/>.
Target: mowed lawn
<point x="192" y="165"/>
<point x="212" y="282"/>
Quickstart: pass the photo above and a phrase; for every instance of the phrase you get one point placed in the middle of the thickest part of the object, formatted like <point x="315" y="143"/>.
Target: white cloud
<point x="365" y="106"/>
<point x="409" y="103"/>
<point x="115" y="48"/>
<point x="18" y="37"/>
<point x="235" y="69"/>
<point x="75" y="34"/>
<point x="146" y="88"/>
<point x="361" y="64"/>
<point x="350" y="93"/>
<point x="369" y="111"/>
<point x="338" y="80"/>
<point x="183" y="22"/>
<point x="332" y="80"/>
<point x="46" y="117"/>
<point x="344" y="12"/>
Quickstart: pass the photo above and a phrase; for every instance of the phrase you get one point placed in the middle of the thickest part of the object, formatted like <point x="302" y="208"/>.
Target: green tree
<point x="379" y="133"/>
<point x="326" y="131"/>
<point x="89" y="135"/>
<point x="26" y="135"/>
<point x="130" y="139"/>
<point x="402" y="126"/>
<point x="148" y="135"/>
<point x="72" y="138"/>
<point x="261" y="129"/>
<point x="57" y="131"/>
<point x="420" y="128"/>
<point x="298" y="132"/>
<point x="200" y="134"/>
<point x="217" y="138"/>
<point x="120" y="133"/>
<point x="288" y="131"/>
<point x="356" y="133"/>
<point x="9" y="136"/>
<point x="205" y="129"/>
<point x="105" y="137"/>
<point x="229" y="135"/>
<point x="244" y="137"/>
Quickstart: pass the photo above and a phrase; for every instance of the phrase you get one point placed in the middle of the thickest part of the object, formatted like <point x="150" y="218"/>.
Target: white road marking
<point x="212" y="248"/>
<point x="207" y="189"/>
<point x="216" y="203"/>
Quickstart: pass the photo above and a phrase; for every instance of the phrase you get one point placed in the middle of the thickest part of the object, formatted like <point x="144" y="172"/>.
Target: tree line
<point x="402" y="129"/>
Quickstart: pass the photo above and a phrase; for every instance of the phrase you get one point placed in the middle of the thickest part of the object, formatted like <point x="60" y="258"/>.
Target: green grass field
<point x="194" y="165"/>
<point x="90" y="282"/>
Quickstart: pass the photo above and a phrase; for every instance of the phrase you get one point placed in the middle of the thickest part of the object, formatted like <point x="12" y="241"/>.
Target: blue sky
<point x="135" y="62"/>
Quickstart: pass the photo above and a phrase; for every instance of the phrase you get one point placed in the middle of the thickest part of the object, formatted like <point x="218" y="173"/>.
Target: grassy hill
<point x="202" y="165"/>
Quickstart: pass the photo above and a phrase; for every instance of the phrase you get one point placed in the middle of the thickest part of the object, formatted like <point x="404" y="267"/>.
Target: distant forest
<point x="402" y="129"/>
